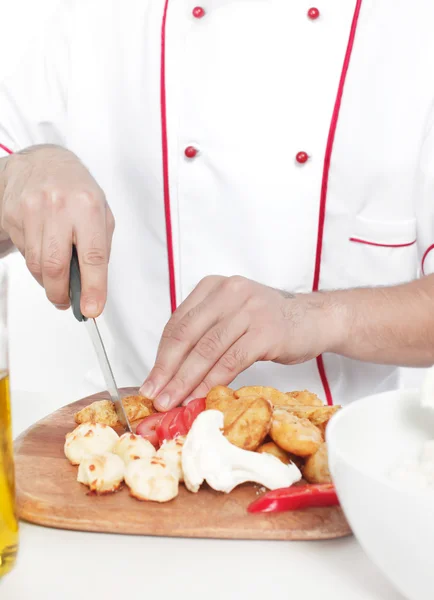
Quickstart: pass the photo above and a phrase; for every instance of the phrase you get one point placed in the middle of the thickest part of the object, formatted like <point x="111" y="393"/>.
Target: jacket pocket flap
<point x="388" y="234"/>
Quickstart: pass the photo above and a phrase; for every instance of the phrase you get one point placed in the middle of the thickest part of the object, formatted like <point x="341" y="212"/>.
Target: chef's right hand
<point x="50" y="201"/>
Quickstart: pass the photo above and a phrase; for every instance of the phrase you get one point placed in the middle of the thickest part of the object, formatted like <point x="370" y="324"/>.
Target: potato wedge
<point x="316" y="468"/>
<point x="100" y="411"/>
<point x="318" y="415"/>
<point x="269" y="393"/>
<point x="272" y="448"/>
<point x="302" y="398"/>
<point x="217" y="392"/>
<point x="247" y="420"/>
<point x="137" y="407"/>
<point x="104" y="412"/>
<point x="294" y="434"/>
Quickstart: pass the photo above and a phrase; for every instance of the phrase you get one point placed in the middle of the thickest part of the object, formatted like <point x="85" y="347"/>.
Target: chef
<point x="270" y="168"/>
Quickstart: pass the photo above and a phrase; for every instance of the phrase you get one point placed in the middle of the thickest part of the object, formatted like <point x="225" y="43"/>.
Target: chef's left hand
<point x="228" y="323"/>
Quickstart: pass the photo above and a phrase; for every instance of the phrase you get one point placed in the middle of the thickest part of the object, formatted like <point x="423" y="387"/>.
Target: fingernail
<point x="62" y="306"/>
<point x="187" y="400"/>
<point x="147" y="389"/>
<point x="91" y="307"/>
<point x="163" y="401"/>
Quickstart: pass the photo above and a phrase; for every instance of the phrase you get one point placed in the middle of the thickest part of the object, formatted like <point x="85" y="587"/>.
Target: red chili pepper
<point x="293" y="498"/>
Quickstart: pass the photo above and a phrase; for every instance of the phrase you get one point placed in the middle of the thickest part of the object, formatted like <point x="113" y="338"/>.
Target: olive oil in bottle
<point x="8" y="519"/>
<point x="8" y="516"/>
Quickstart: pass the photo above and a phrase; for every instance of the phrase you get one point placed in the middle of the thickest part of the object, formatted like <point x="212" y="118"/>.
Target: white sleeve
<point x="33" y="98"/>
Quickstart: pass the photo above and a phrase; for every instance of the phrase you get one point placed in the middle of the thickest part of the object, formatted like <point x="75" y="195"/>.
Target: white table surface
<point x="64" y="565"/>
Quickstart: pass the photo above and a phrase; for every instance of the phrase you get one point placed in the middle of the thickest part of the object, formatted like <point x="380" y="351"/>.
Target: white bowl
<point x="394" y="525"/>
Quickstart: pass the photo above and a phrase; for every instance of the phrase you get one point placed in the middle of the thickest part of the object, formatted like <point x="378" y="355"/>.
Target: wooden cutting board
<point x="48" y="494"/>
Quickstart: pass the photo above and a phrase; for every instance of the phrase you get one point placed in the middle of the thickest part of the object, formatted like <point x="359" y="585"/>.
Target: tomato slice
<point x="147" y="428"/>
<point x="163" y="431"/>
<point x="193" y="408"/>
<point x="177" y="426"/>
<point x="165" y="426"/>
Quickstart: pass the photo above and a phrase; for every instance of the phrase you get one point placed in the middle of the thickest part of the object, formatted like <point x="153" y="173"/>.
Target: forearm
<point x="389" y="325"/>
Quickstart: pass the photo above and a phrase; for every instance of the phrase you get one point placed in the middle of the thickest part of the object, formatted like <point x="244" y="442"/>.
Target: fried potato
<point x="101" y="411"/>
<point x="302" y="398"/>
<point x="137" y="407"/>
<point x="272" y="448"/>
<point x="104" y="412"/>
<point x="269" y="393"/>
<point x="217" y="392"/>
<point x="318" y="415"/>
<point x="316" y="468"/>
<point x="294" y="434"/>
<point x="322" y="418"/>
<point x="246" y="420"/>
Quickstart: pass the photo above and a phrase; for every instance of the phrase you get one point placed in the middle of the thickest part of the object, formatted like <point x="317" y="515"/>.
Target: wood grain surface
<point x="48" y="494"/>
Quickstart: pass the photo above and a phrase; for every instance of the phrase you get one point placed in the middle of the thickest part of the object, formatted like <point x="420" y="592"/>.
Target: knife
<point x="95" y="336"/>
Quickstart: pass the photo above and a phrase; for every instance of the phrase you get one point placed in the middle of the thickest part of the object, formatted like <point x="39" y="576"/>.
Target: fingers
<point x="175" y="348"/>
<point x="32" y="235"/>
<point x="93" y="247"/>
<point x="12" y="222"/>
<point x="203" y="357"/>
<point x="171" y="348"/>
<point x="49" y="235"/>
<point x="236" y="359"/>
<point x="50" y="202"/>
<point x="239" y="357"/>
<point x="110" y="228"/>
<point x="56" y="252"/>
<point x="203" y="289"/>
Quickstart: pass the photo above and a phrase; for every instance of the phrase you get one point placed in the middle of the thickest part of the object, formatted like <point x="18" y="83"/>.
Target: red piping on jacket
<point x="5" y="149"/>
<point x="427" y="251"/>
<point x="325" y="180"/>
<point x="359" y="241"/>
<point x="166" y="190"/>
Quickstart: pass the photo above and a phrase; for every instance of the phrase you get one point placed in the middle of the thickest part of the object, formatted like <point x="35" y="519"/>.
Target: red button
<point x="190" y="152"/>
<point x="198" y="12"/>
<point x="301" y="157"/>
<point x="313" y="13"/>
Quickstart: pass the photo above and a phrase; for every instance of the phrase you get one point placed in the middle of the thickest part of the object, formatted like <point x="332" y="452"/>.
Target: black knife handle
<point x="75" y="286"/>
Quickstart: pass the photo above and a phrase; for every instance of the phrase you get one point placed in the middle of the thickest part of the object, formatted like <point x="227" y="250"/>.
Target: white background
<point x="49" y="350"/>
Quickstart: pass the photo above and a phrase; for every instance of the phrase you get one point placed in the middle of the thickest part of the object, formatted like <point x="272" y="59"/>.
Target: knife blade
<point x="95" y="336"/>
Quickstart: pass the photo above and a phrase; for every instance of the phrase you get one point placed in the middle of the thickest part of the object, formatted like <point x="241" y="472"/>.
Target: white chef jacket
<point x="246" y="86"/>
